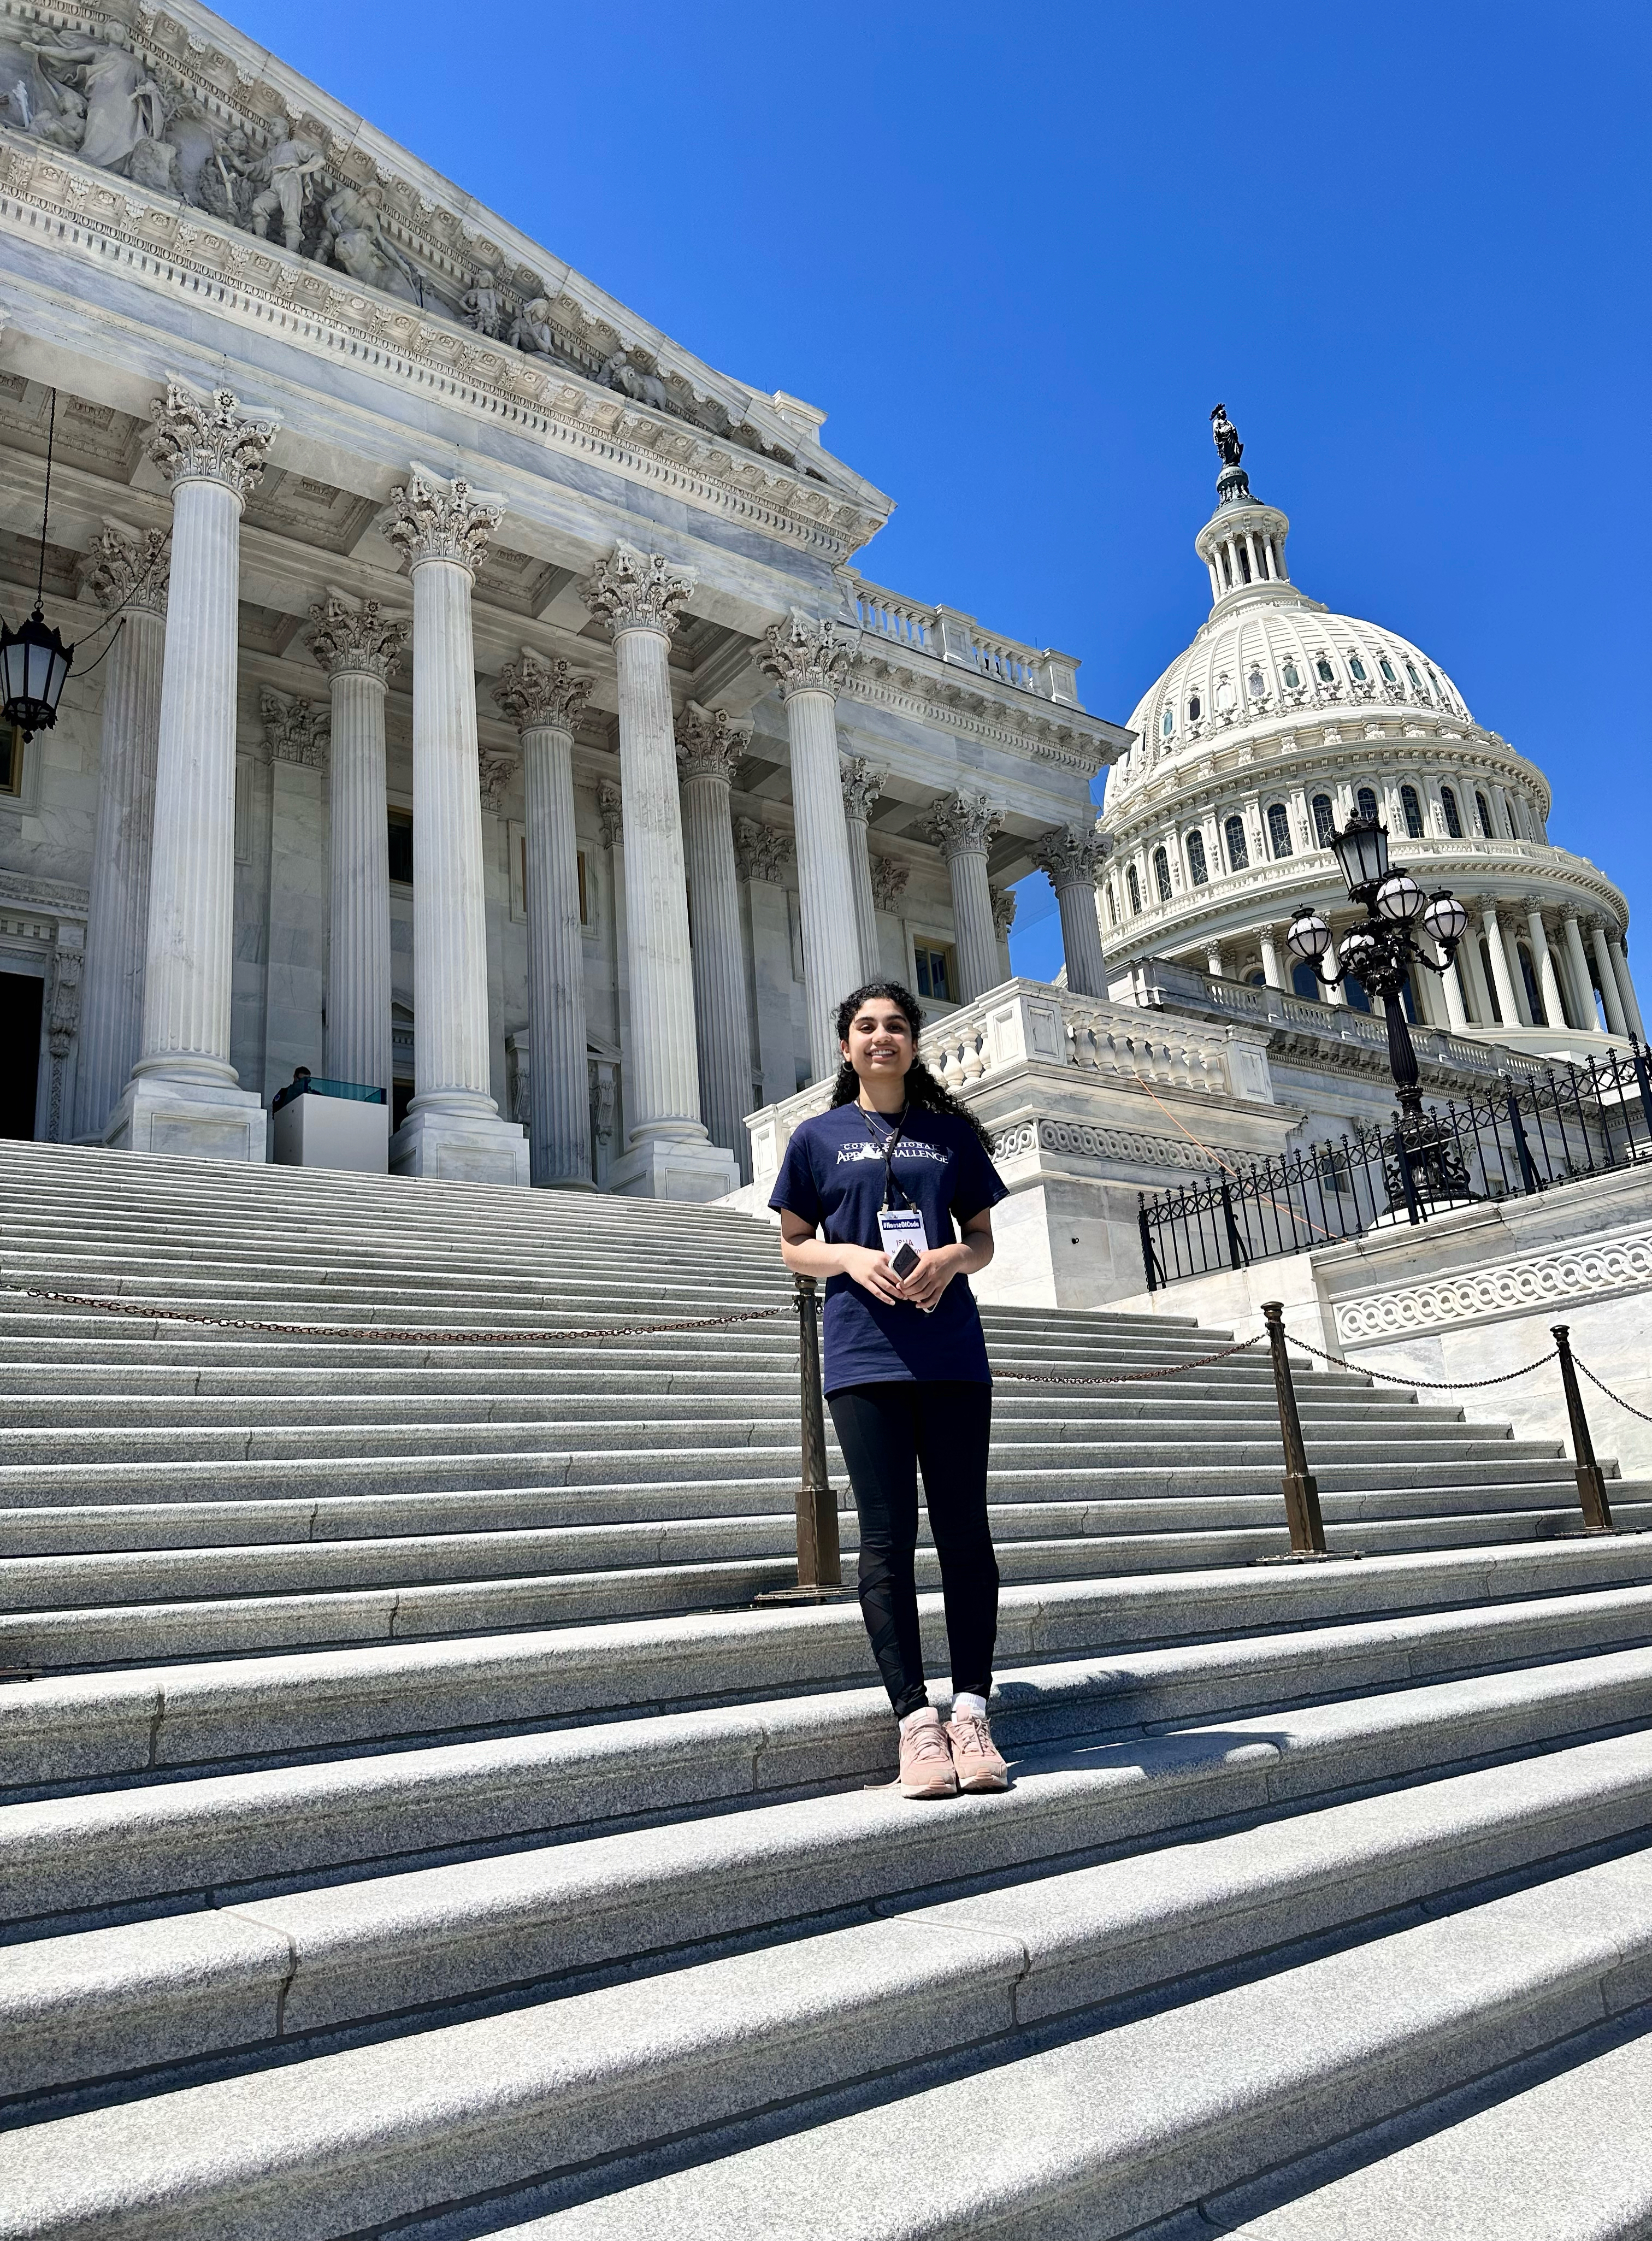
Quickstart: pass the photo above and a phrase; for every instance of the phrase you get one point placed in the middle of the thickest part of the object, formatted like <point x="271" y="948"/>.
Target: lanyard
<point x="886" y="1150"/>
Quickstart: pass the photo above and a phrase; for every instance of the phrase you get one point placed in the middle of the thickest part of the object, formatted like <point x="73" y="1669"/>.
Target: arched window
<point x="1411" y="672"/>
<point x="1279" y="828"/>
<point x="1387" y="667"/>
<point x="1413" y="809"/>
<point x="1327" y="675"/>
<point x="1168" y="723"/>
<point x="1255" y="684"/>
<point x="1355" y="991"/>
<point x="1196" y="858"/>
<point x="1293" y="680"/>
<point x="1324" y="819"/>
<point x="1238" y="853"/>
<point x="1257" y="979"/>
<point x="1433" y="680"/>
<point x="1161" y="874"/>
<point x="1305" y="981"/>
<point x="1195" y="707"/>
<point x="1356" y="668"/>
<point x="1134" y="886"/>
<point x="1483" y="811"/>
<point x="1367" y="801"/>
<point x="1453" y="816"/>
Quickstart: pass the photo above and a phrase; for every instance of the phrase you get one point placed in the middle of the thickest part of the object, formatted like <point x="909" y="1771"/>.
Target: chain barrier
<point x="1610" y="1395"/>
<point x="1130" y="1377"/>
<point x="1429" y="1384"/>
<point x="393" y="1334"/>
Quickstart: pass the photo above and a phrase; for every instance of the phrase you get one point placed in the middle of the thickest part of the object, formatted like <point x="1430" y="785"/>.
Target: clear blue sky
<point x="1018" y="253"/>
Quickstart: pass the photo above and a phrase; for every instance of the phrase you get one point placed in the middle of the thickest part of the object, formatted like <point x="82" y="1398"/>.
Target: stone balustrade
<point x="958" y="639"/>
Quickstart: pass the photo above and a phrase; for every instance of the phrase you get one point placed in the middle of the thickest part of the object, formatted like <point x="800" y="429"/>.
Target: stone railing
<point x="958" y="639"/>
<point x="1107" y="1045"/>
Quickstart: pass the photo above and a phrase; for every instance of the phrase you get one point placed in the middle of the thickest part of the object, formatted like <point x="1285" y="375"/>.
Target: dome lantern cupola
<point x="1243" y="543"/>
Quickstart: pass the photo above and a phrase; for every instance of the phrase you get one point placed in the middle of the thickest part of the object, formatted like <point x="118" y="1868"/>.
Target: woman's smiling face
<point x="879" y="1046"/>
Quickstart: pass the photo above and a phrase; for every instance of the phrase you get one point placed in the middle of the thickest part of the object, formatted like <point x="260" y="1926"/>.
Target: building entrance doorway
<point x="20" y="994"/>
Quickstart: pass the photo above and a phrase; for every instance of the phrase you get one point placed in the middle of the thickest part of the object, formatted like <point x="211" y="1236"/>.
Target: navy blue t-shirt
<point x="833" y="1177"/>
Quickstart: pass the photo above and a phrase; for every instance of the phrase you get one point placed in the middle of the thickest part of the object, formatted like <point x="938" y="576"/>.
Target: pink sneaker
<point x="925" y="1762"/>
<point x="974" y="1753"/>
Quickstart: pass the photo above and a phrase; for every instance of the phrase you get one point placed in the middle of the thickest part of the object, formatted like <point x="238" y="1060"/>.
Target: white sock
<point x="913" y="1719"/>
<point x="966" y="1705"/>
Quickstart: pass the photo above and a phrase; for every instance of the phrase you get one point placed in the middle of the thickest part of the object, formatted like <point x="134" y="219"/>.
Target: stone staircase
<point x="412" y="1827"/>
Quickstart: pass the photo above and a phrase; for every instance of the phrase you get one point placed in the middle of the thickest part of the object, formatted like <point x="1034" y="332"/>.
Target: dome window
<point x="1413" y="809"/>
<point x="1196" y="863"/>
<point x="1454" y="815"/>
<point x="1256" y="684"/>
<point x="1367" y="801"/>
<point x="1195" y="707"/>
<point x="1134" y="886"/>
<point x="1225" y="694"/>
<point x="1168" y="723"/>
<point x="1433" y="680"/>
<point x="1327" y="675"/>
<point x="1292" y="681"/>
<point x="1356" y="669"/>
<point x="1387" y="668"/>
<point x="1411" y="672"/>
<point x="1324" y="819"/>
<point x="1279" y="829"/>
<point x="1483" y="811"/>
<point x="1161" y="874"/>
<point x="1238" y="853"/>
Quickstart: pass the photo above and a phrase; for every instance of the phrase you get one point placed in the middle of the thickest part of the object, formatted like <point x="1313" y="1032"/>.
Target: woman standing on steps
<point x="883" y="1177"/>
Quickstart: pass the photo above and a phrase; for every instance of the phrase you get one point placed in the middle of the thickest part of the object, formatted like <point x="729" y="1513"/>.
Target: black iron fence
<point x="1566" y="1123"/>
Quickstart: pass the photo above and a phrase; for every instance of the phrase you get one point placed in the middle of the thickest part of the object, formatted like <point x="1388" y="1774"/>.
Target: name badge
<point x="901" y="1225"/>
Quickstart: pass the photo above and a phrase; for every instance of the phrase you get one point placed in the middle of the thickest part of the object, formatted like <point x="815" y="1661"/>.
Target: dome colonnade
<point x="1280" y="722"/>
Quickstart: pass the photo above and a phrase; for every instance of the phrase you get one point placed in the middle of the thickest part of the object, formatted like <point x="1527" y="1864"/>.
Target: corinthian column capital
<point x="538" y="695"/>
<point x="295" y="730"/>
<point x="710" y="743"/>
<point x="964" y="824"/>
<point x="889" y="880"/>
<point x="762" y="852"/>
<point x="1072" y="854"/>
<point x="805" y="655"/>
<point x="1003" y="911"/>
<point x="637" y="590"/>
<point x="199" y="437"/>
<point x="362" y="641"/>
<point x="862" y="785"/>
<point x="128" y="568"/>
<point x="431" y="518"/>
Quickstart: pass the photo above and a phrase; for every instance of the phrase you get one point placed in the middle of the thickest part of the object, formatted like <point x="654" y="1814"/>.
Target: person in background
<point x="888" y="1196"/>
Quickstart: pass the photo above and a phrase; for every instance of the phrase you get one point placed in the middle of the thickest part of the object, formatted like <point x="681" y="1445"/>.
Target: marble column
<point x="889" y="880"/>
<point x="453" y="1130"/>
<point x="1542" y="960"/>
<point x="183" y="1095"/>
<point x="964" y="826"/>
<point x="637" y="595"/>
<point x="358" y="645"/>
<point x="1471" y="965"/>
<point x="543" y="699"/>
<point x="1214" y="963"/>
<point x="1451" y="988"/>
<point x="1582" y="1007"/>
<point x="807" y="661"/>
<point x="1072" y="856"/>
<point x="1270" y="956"/>
<point x="862" y="784"/>
<point x="125" y="569"/>
<point x="1502" y="977"/>
<point x="1611" y="1001"/>
<point x="611" y="811"/>
<point x="1625" y="985"/>
<point x="762" y="857"/>
<point x="710" y="745"/>
<point x="1003" y="919"/>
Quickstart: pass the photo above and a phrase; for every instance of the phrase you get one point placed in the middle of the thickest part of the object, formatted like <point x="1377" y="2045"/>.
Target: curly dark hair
<point x="922" y="1088"/>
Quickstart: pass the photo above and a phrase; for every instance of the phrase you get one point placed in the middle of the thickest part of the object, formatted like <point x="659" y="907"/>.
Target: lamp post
<point x="1378" y="951"/>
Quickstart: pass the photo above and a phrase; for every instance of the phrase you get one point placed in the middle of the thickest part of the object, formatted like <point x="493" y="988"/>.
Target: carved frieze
<point x="711" y="743"/>
<point x="431" y="518"/>
<point x="637" y="590"/>
<point x="541" y="695"/>
<point x="356" y="637"/>
<point x="208" y="438"/>
<point x="128" y="568"/>
<point x="805" y="655"/>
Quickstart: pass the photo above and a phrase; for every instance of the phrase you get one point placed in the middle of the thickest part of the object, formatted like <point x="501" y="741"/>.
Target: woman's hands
<point x="923" y="1286"/>
<point x="871" y="1270"/>
<point x="810" y="1256"/>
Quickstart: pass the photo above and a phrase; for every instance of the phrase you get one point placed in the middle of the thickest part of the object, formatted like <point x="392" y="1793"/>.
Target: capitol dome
<point x="1277" y="723"/>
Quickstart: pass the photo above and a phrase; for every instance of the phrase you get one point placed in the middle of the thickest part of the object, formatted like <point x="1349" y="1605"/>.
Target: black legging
<point x="888" y="1433"/>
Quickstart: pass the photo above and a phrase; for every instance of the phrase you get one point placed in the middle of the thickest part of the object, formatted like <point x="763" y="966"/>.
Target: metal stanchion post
<point x="1591" y="1483"/>
<point x="1302" y="1489"/>
<point x="819" y="1565"/>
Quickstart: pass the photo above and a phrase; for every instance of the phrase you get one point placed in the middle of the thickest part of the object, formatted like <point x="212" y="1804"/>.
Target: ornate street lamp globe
<point x="1307" y="936"/>
<point x="1362" y="853"/>
<point x="1400" y="897"/>
<point x="34" y="661"/>
<point x="1445" y="917"/>
<point x="1355" y="949"/>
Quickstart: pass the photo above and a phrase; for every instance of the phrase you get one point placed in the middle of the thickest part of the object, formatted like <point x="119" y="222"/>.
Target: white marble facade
<point x="421" y="555"/>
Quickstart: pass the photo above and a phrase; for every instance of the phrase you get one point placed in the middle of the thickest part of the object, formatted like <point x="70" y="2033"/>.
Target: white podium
<point x="323" y="1126"/>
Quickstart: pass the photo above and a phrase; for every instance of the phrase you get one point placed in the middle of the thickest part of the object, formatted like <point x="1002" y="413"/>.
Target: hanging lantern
<point x="1362" y="853"/>
<point x="34" y="661"/>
